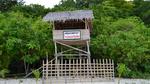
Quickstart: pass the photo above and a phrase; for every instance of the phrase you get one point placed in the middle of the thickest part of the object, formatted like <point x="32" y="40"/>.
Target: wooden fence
<point x="80" y="68"/>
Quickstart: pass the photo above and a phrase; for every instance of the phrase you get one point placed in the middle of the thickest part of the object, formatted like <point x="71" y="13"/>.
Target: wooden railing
<point x="80" y="68"/>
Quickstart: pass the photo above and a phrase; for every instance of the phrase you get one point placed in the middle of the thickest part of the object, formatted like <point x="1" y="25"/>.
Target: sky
<point x="46" y="3"/>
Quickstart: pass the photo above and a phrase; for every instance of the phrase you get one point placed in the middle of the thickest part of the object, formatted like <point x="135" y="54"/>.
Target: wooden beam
<point x="55" y="50"/>
<point x="72" y="47"/>
<point x="72" y="54"/>
<point x="53" y="23"/>
<point x="88" y="49"/>
<point x="65" y="51"/>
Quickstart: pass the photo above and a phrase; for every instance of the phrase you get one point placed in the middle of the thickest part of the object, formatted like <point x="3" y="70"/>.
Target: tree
<point x="141" y="10"/>
<point x="6" y="5"/>
<point x="80" y="4"/>
<point x="125" y="41"/>
<point x="65" y="5"/>
<point x="24" y="39"/>
<point x="33" y="10"/>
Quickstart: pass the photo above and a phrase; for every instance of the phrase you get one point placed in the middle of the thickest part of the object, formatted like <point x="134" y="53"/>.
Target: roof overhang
<point x="69" y="15"/>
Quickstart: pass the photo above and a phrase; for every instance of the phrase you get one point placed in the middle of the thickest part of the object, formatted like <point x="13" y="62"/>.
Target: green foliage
<point x="65" y="5"/>
<point x="33" y="10"/>
<point x="23" y="39"/>
<point x="82" y="4"/>
<point x="122" y="70"/>
<point x="142" y="9"/>
<point x="3" y="72"/>
<point x="36" y="74"/>
<point x="6" y="5"/>
<point x="126" y="41"/>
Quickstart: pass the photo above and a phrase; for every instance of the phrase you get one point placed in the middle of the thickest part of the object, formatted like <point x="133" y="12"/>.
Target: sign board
<point x="72" y="35"/>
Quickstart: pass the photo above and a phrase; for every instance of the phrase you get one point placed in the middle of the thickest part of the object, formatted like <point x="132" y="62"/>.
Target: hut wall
<point x="59" y="34"/>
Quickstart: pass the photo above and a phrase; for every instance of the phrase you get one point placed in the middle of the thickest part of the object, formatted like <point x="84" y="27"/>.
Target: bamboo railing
<point x="80" y="68"/>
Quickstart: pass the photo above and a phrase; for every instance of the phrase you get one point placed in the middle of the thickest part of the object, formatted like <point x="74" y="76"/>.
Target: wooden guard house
<point x="71" y="29"/>
<point x="71" y="36"/>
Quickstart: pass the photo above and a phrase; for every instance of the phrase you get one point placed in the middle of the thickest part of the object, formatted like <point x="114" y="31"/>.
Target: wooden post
<point x="43" y="69"/>
<point x="55" y="52"/>
<point x="84" y="67"/>
<point x="97" y="74"/>
<point x="88" y="50"/>
<point x="77" y="67"/>
<point x="104" y="70"/>
<point x="74" y="70"/>
<point x="113" y="70"/>
<point x="93" y="68"/>
<point x="69" y="68"/>
<point x="51" y="69"/>
<point x="86" y="24"/>
<point x="61" y="67"/>
<point x="89" y="58"/>
<point x="100" y="70"/>
<point x="58" y="65"/>
<point x="53" y="25"/>
<point x="56" y="61"/>
<point x="80" y="74"/>
<point x="47" y="68"/>
<point x="110" y="69"/>
<point x="87" y="68"/>
<point x="65" y="68"/>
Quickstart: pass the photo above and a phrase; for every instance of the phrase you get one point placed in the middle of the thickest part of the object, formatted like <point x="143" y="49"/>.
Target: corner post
<point x="56" y="61"/>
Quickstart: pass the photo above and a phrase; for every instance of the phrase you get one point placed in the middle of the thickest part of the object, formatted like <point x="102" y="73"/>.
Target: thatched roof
<point x="68" y="15"/>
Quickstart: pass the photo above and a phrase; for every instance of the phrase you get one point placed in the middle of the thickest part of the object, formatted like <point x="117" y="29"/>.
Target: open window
<point x="69" y="24"/>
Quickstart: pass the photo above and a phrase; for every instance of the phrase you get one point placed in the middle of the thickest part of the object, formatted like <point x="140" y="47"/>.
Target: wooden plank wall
<point x="58" y="34"/>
